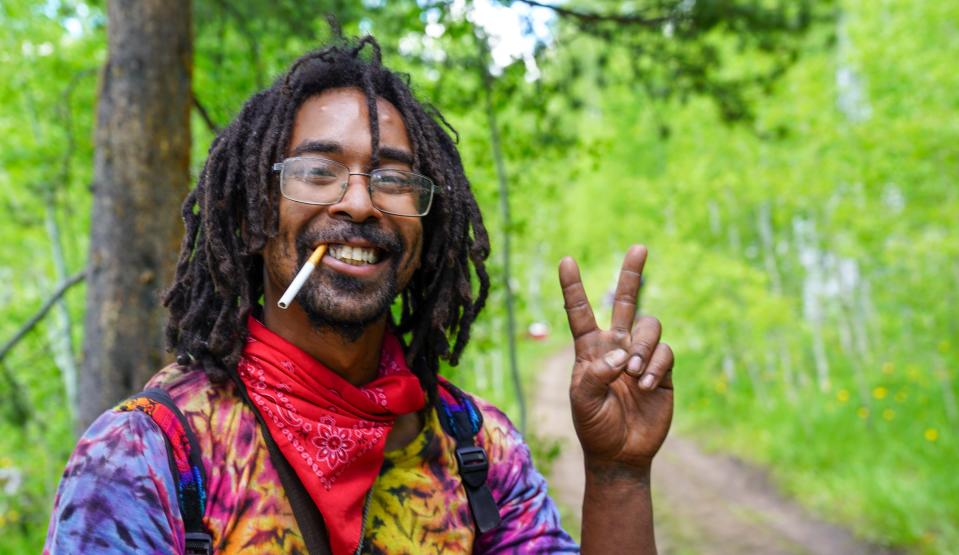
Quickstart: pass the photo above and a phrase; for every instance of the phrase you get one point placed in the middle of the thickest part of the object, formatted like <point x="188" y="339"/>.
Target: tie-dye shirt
<point x="118" y="495"/>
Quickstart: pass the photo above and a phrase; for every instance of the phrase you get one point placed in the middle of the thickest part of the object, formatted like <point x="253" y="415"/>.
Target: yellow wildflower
<point x="842" y="396"/>
<point x="863" y="412"/>
<point x="887" y="368"/>
<point x="901" y="396"/>
<point x="13" y="515"/>
<point x="888" y="414"/>
<point x="880" y="392"/>
<point x="720" y="387"/>
<point x="931" y="434"/>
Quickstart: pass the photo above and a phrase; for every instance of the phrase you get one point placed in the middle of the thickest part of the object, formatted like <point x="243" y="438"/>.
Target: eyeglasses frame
<point x="280" y="167"/>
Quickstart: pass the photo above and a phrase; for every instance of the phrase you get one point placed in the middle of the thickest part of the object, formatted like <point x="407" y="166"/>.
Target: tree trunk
<point x="141" y="174"/>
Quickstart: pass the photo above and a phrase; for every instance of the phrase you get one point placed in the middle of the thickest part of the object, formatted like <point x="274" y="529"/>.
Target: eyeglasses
<point x="312" y="180"/>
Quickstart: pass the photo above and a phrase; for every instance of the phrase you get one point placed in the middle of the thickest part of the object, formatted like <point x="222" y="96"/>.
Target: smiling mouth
<point x="355" y="256"/>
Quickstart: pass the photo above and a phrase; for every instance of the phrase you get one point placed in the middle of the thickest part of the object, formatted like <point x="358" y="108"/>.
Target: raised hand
<point x="622" y="388"/>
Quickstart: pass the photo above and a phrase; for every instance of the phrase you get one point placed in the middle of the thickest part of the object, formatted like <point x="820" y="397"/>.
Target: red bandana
<point x="332" y="432"/>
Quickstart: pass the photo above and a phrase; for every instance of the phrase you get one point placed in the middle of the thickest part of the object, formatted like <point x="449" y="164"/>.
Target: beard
<point x="344" y="304"/>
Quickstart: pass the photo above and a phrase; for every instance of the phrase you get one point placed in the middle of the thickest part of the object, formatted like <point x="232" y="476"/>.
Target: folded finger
<point x="646" y="334"/>
<point x="660" y="364"/>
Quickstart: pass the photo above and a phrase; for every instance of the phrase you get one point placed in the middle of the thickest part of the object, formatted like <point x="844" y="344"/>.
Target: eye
<point x="319" y="175"/>
<point x="394" y="182"/>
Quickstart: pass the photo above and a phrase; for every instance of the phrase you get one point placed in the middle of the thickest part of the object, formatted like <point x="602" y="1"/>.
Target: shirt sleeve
<point x="117" y="494"/>
<point x="530" y="521"/>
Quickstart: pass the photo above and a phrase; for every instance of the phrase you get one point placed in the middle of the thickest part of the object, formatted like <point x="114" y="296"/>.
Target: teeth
<point x="354" y="255"/>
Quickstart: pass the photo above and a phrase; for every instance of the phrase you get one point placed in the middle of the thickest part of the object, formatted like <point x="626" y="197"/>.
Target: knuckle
<point x="571" y="286"/>
<point x="643" y="346"/>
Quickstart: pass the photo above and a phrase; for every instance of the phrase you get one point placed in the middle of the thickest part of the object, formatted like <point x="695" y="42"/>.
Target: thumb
<point x="603" y="371"/>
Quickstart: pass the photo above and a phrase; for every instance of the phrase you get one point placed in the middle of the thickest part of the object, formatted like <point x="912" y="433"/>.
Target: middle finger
<point x="627" y="289"/>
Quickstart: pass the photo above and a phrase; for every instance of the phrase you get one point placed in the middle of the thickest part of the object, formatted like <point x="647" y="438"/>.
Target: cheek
<point x="292" y="218"/>
<point x="415" y="248"/>
<point x="277" y="248"/>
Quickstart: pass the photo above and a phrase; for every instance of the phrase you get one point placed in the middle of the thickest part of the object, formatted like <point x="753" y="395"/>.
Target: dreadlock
<point x="232" y="213"/>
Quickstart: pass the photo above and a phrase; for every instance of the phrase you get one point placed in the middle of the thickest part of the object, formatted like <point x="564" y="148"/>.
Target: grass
<point x="884" y="465"/>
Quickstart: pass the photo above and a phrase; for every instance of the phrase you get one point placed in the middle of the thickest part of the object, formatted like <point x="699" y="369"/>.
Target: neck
<point x="355" y="361"/>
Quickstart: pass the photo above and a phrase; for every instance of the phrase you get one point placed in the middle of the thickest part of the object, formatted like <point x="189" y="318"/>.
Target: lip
<point x="364" y="271"/>
<point x="362" y="243"/>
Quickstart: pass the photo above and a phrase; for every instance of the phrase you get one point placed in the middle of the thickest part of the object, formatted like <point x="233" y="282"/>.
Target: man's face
<point x="345" y="292"/>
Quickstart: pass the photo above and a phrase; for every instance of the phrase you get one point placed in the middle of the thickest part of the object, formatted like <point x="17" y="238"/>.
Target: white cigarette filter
<point x="301" y="277"/>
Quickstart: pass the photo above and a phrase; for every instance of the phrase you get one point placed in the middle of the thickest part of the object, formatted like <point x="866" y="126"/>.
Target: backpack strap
<point x="463" y="421"/>
<point x="305" y="512"/>
<point x="183" y="452"/>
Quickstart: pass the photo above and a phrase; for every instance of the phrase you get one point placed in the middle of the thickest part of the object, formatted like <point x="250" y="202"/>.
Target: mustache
<point x="343" y="232"/>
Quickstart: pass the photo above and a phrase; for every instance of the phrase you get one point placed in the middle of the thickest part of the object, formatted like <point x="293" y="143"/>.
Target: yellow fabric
<point x="418" y="506"/>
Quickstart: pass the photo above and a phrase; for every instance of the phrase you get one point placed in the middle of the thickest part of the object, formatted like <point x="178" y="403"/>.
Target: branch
<point x="211" y="125"/>
<point x="47" y="305"/>
<point x="595" y="17"/>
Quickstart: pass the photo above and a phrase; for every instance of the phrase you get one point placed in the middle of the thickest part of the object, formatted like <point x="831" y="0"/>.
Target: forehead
<point x="341" y="116"/>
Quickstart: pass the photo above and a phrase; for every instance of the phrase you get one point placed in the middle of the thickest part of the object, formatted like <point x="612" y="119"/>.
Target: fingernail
<point x="615" y="358"/>
<point x="647" y="381"/>
<point x="634" y="365"/>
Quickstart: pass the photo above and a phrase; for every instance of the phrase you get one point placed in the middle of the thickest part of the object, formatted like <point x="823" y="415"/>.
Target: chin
<point x="347" y="306"/>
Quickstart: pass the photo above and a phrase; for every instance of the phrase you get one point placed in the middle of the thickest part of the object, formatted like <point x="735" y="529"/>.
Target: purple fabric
<point x="117" y="494"/>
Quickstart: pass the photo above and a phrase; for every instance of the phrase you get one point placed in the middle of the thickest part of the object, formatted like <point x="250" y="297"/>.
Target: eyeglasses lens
<point x="399" y="192"/>
<point x="320" y="181"/>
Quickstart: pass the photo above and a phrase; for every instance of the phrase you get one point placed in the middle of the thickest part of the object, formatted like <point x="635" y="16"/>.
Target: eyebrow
<point x="396" y="155"/>
<point x="316" y="147"/>
<point x="321" y="147"/>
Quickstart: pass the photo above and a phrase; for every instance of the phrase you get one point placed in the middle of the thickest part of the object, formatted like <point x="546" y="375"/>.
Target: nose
<point x="356" y="204"/>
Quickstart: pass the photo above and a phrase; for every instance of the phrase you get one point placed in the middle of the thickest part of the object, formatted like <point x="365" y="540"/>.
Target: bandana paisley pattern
<point x="332" y="432"/>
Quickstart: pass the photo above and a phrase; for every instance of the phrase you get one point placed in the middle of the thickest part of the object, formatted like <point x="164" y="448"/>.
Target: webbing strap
<point x="463" y="421"/>
<point x="183" y="452"/>
<point x="307" y="514"/>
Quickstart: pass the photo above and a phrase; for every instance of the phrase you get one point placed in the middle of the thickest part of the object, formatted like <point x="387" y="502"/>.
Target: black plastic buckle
<point x="473" y="465"/>
<point x="198" y="543"/>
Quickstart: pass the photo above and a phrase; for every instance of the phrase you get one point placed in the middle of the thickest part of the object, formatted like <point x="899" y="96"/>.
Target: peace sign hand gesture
<point x="622" y="389"/>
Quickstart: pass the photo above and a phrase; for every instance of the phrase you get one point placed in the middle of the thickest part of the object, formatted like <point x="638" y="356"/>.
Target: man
<point x="339" y="154"/>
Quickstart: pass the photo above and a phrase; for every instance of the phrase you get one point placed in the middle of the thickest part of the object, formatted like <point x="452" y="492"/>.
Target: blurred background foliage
<point x="792" y="167"/>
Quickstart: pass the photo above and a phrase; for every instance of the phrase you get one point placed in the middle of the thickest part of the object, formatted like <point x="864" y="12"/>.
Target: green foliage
<point x="803" y="260"/>
<point x="828" y="223"/>
<point x="47" y="90"/>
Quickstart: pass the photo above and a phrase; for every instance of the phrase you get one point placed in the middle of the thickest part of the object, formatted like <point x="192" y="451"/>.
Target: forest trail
<point x="704" y="503"/>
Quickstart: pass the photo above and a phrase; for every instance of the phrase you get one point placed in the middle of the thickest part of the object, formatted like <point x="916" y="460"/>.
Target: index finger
<point x="578" y="310"/>
<point x="630" y="278"/>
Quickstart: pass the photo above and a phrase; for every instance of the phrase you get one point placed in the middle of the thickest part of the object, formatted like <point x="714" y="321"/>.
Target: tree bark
<point x="141" y="174"/>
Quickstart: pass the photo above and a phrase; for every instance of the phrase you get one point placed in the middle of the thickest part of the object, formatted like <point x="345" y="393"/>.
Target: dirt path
<point x="704" y="503"/>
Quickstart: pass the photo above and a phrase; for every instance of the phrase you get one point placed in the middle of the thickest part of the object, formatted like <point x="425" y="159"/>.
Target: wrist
<point x="604" y="472"/>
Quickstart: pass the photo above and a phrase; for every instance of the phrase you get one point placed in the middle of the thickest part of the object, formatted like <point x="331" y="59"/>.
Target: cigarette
<point x="301" y="276"/>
